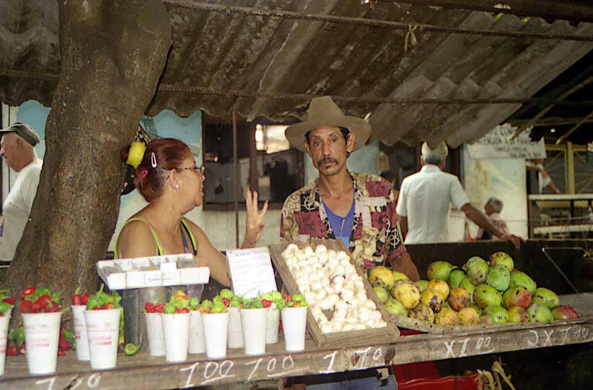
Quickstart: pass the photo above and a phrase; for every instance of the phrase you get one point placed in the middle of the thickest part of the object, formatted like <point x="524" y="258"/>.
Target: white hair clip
<point x="153" y="160"/>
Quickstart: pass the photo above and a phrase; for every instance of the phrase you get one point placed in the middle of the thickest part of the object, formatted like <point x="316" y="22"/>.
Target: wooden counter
<point x="143" y="371"/>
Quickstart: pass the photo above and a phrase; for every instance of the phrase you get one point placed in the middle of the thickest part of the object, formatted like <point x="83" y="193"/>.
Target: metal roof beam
<point x="574" y="11"/>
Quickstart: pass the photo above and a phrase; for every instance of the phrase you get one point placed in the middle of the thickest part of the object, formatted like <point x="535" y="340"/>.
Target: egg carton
<point x="154" y="271"/>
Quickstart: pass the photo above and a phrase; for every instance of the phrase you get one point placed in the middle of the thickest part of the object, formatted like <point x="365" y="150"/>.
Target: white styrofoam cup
<point x="42" y="334"/>
<point x="102" y="327"/>
<point x="154" y="332"/>
<point x="216" y="328"/>
<point x="254" y="322"/>
<point x="294" y="326"/>
<point x="82" y="340"/>
<point x="176" y="331"/>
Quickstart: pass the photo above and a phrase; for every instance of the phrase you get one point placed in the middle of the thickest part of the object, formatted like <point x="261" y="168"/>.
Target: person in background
<point x="425" y="198"/>
<point x="390" y="177"/>
<point x="169" y="180"/>
<point x="544" y="178"/>
<point x="357" y="208"/>
<point x="493" y="208"/>
<point x="18" y="149"/>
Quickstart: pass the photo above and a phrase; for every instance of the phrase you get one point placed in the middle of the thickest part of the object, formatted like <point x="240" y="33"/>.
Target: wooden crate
<point x="583" y="303"/>
<point x="338" y="339"/>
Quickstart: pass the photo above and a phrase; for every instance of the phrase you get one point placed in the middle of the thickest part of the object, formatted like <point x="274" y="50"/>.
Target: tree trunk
<point x="113" y="53"/>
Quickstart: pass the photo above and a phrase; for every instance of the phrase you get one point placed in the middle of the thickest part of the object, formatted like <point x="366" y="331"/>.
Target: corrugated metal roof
<point x="227" y="51"/>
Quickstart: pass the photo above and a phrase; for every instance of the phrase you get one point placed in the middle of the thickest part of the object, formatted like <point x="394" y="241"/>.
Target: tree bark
<point x="113" y="53"/>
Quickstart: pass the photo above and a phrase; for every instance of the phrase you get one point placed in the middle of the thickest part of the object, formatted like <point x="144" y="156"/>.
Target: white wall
<point x="504" y="179"/>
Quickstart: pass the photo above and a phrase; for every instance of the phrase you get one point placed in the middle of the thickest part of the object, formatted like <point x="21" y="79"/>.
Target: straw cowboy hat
<point x="323" y="112"/>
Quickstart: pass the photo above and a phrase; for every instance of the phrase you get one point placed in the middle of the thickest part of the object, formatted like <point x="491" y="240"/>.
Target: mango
<point x="447" y="316"/>
<point x="497" y="313"/>
<point x="546" y="297"/>
<point x="407" y="293"/>
<point x="459" y="298"/>
<point x="422" y="284"/>
<point x="517" y="314"/>
<point x="455" y="277"/>
<point x="519" y="278"/>
<point x="433" y="298"/>
<point x="439" y="270"/>
<point x="476" y="269"/>
<point x="539" y="313"/>
<point x="395" y="307"/>
<point x="485" y="295"/>
<point x="422" y="312"/>
<point x="516" y="296"/>
<point x="468" y="316"/>
<point x="381" y="276"/>
<point x="499" y="277"/>
<point x="502" y="258"/>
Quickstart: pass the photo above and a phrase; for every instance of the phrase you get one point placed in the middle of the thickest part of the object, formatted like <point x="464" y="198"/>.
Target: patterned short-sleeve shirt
<point x="375" y="237"/>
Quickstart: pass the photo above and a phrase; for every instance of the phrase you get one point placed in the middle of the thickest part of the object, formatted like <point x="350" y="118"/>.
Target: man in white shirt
<point x="425" y="198"/>
<point x="18" y="149"/>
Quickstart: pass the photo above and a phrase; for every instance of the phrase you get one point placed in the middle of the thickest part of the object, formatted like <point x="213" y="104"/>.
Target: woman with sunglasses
<point x="168" y="179"/>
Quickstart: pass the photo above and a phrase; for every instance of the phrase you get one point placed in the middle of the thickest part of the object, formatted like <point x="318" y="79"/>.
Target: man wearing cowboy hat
<point x="357" y="208"/>
<point x="18" y="149"/>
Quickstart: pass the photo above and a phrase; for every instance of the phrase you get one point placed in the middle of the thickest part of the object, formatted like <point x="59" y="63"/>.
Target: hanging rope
<point x="492" y="380"/>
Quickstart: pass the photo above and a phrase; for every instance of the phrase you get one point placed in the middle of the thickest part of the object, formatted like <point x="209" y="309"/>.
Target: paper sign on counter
<point x="251" y="271"/>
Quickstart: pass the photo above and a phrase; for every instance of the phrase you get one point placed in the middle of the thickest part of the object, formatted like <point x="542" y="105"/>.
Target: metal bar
<point x="559" y="270"/>
<point x="253" y="170"/>
<point x="562" y="148"/>
<point x="570" y="169"/>
<point x="235" y="177"/>
<point x="545" y="110"/>
<point x="588" y="118"/>
<point x="228" y="9"/>
<point x="551" y="121"/>
<point x="351" y="99"/>
<point x="540" y="8"/>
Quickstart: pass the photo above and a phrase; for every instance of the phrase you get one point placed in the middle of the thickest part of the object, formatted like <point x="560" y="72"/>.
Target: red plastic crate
<point x="446" y="383"/>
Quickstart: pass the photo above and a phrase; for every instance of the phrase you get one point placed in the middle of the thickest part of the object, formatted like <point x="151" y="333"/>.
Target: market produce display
<point x="40" y="300"/>
<point x="333" y="289"/>
<point x="6" y="302"/>
<point x="480" y="292"/>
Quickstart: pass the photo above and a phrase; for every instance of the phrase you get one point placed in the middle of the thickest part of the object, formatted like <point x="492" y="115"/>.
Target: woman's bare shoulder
<point x="136" y="240"/>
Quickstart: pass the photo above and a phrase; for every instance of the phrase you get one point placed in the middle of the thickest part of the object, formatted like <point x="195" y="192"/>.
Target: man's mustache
<point x="327" y="159"/>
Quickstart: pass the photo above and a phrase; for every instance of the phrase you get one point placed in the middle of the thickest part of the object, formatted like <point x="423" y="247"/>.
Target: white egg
<point x="327" y="328"/>
<point x="363" y="316"/>
<point x="361" y="297"/>
<point x="380" y="324"/>
<point x="321" y="294"/>
<point x="301" y="257"/>
<point x="333" y="298"/>
<point x="310" y="297"/>
<point x="347" y="294"/>
<point x="337" y="326"/>
<point x="344" y="262"/>
<point x="337" y="288"/>
<point x="376" y="315"/>
<point x="371" y="304"/>
<point x="307" y="269"/>
<point x="368" y="323"/>
<point x="320" y="249"/>
<point x="359" y="284"/>
<point x="341" y="305"/>
<point x="309" y="251"/>
<point x="347" y="327"/>
<point x="332" y="262"/>
<point x="323" y="258"/>
<point x="324" y="304"/>
<point x="316" y="285"/>
<point x="331" y="253"/>
<point x="338" y="280"/>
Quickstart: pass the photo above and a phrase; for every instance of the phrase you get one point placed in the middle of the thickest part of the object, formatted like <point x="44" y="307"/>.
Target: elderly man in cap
<point x="18" y="149"/>
<point x="425" y="198"/>
<point x="356" y="208"/>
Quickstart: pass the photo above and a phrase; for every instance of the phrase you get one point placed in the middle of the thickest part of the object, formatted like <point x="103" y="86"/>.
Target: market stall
<point x="323" y="353"/>
<point x="142" y="371"/>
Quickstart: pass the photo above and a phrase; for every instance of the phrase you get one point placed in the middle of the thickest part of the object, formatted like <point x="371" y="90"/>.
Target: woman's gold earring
<point x="176" y="185"/>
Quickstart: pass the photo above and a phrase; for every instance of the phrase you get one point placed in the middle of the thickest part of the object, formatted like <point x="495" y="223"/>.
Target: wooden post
<point x="253" y="171"/>
<point x="570" y="188"/>
<point x="236" y="177"/>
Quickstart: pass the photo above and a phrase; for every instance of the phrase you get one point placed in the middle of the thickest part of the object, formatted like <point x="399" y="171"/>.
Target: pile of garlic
<point x="329" y="282"/>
